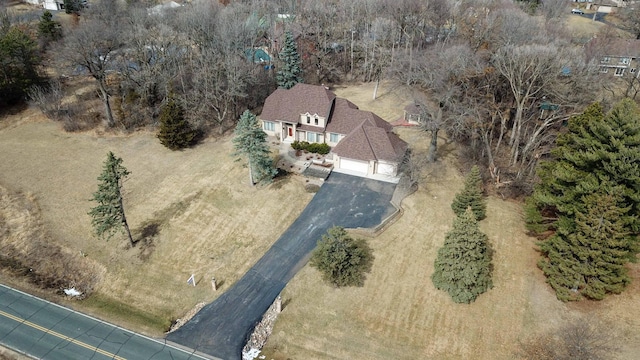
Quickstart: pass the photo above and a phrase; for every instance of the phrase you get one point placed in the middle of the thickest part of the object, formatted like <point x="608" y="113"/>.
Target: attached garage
<point x="354" y="165"/>
<point x="386" y="169"/>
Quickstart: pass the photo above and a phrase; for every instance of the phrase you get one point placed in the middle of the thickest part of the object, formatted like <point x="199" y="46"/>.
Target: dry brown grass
<point x="209" y="221"/>
<point x="212" y="224"/>
<point x="398" y="314"/>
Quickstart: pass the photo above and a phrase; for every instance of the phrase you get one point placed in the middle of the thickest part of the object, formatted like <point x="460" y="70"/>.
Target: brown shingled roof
<point x="368" y="137"/>
<point x="346" y="117"/>
<point x="288" y="105"/>
<point x="369" y="142"/>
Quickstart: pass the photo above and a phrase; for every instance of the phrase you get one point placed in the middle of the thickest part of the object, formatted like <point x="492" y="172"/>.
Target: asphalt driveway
<point x="222" y="327"/>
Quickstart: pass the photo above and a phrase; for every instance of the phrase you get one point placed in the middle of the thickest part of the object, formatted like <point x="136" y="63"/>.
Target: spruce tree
<point x="49" y="29"/>
<point x="108" y="216"/>
<point x="600" y="154"/>
<point x="251" y="142"/>
<point x="290" y="72"/>
<point x="175" y="131"/>
<point x="19" y="64"/>
<point x="342" y="260"/>
<point x="471" y="196"/>
<point x="463" y="266"/>
<point x="72" y="6"/>
<point x="589" y="261"/>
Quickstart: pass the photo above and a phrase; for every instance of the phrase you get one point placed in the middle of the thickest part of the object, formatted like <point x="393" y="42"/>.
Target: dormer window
<point x="624" y="61"/>
<point x="606" y="59"/>
<point x="316" y="120"/>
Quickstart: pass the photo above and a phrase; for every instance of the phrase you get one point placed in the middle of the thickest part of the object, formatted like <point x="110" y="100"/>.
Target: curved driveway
<point x="222" y="327"/>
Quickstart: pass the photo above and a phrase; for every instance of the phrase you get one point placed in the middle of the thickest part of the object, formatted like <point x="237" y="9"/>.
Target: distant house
<point x="619" y="57"/>
<point x="161" y="9"/>
<point x="362" y="143"/>
<point x="414" y="114"/>
<point x="53" y="4"/>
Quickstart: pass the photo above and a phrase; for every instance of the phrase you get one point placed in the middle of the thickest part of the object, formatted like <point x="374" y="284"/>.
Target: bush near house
<point x="315" y="148"/>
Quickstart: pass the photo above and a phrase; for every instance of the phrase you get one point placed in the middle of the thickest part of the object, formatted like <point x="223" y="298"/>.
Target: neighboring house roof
<point x="257" y="55"/>
<point x="161" y="8"/>
<point x="600" y="47"/>
<point x="287" y="105"/>
<point x="414" y="109"/>
<point x="623" y="47"/>
<point x="367" y="136"/>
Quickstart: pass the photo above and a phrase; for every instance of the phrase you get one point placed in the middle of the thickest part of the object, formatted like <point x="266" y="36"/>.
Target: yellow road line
<point x="63" y="337"/>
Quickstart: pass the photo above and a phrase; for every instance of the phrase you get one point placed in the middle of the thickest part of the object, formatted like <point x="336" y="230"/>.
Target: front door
<point x="290" y="129"/>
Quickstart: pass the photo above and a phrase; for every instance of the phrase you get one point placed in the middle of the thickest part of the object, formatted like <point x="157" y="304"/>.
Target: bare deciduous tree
<point x="579" y="339"/>
<point x="93" y="45"/>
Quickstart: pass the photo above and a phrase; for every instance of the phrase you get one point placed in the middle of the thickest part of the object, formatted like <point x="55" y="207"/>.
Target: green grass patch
<point x="122" y="313"/>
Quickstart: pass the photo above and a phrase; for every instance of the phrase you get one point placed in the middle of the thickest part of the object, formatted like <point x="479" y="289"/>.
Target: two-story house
<point x="361" y="142"/>
<point x="620" y="57"/>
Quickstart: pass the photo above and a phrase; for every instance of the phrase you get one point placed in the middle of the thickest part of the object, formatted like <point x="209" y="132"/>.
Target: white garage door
<point x="385" y="169"/>
<point x="354" y="165"/>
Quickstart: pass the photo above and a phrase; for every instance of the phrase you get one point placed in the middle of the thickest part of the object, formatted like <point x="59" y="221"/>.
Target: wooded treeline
<point x="498" y="76"/>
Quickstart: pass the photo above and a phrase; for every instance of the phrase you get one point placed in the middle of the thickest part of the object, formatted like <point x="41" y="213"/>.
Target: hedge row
<point x="315" y="148"/>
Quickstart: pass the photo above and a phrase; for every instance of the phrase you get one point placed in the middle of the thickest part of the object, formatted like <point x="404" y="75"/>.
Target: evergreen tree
<point x="19" y="62"/>
<point x="290" y="72"/>
<point x="251" y="142"/>
<point x="108" y="216"/>
<point x="471" y="196"/>
<point x="175" y="131"/>
<point x="72" y="6"/>
<point x="589" y="261"/>
<point x="342" y="260"/>
<point x="598" y="150"/>
<point x="600" y="154"/>
<point x="463" y="266"/>
<point x="49" y="29"/>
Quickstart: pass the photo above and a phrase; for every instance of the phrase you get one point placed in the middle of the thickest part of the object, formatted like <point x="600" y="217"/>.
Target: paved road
<point x="44" y="330"/>
<point x="222" y="327"/>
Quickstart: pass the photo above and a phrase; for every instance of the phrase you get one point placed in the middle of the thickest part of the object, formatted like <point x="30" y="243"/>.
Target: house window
<point x="316" y="120"/>
<point x="632" y="70"/>
<point x="619" y="71"/>
<point x="604" y="70"/>
<point x="606" y="59"/>
<point x="269" y="126"/>
<point x="312" y="137"/>
<point x="624" y="61"/>
<point x="308" y="119"/>
<point x="334" y="138"/>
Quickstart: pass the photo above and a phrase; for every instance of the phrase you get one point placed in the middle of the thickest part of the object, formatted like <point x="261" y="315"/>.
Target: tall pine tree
<point x="471" y="196"/>
<point x="463" y="266"/>
<point x="175" y="131"/>
<point x="108" y="216"/>
<point x="589" y="261"/>
<point x="49" y="29"/>
<point x="290" y="72"/>
<point x="599" y="154"/>
<point x="251" y="142"/>
<point x="19" y="64"/>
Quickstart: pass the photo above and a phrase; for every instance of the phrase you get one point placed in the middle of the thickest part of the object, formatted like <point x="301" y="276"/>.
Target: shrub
<point x="315" y="148"/>
<point x="342" y="260"/>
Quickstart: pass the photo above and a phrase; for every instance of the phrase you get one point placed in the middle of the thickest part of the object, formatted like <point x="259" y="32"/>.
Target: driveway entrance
<point x="222" y="327"/>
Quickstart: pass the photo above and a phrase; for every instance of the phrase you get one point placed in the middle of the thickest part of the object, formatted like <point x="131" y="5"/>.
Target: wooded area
<point x="499" y="77"/>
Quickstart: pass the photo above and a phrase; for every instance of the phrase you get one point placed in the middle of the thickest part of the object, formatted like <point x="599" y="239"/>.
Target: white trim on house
<point x="56" y="5"/>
